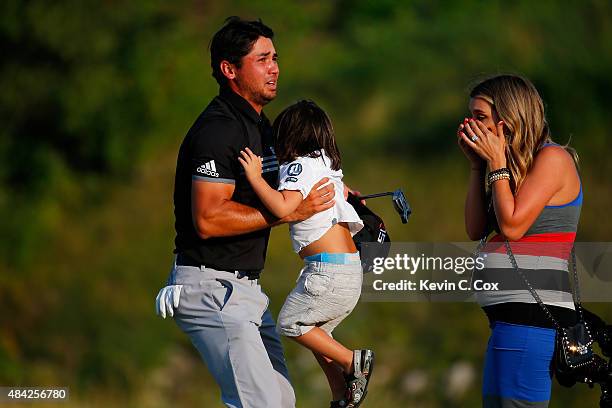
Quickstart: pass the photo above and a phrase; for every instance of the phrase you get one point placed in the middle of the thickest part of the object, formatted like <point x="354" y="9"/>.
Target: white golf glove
<point x="167" y="300"/>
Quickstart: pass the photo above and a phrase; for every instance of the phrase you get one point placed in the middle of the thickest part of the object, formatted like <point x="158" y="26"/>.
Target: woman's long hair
<point x="517" y="102"/>
<point x="304" y="129"/>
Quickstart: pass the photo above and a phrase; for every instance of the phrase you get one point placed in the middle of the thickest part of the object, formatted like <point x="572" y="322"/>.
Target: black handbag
<point x="373" y="232"/>
<point x="574" y="345"/>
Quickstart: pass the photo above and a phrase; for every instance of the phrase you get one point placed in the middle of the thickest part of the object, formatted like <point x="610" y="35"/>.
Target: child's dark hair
<point x="303" y="129"/>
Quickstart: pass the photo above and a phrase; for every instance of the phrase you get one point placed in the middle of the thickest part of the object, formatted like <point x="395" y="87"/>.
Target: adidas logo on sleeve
<point x="209" y="169"/>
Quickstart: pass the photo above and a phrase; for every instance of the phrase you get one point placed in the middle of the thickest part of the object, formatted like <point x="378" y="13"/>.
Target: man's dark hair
<point x="303" y="129"/>
<point x="233" y="41"/>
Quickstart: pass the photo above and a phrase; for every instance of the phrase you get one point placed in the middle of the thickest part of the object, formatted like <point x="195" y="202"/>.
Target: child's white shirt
<point x="301" y="175"/>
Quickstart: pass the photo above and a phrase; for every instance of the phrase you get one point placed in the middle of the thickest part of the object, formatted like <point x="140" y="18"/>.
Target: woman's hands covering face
<point x="487" y="145"/>
<point x="475" y="160"/>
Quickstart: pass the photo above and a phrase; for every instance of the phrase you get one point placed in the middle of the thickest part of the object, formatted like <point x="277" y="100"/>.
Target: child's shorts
<point x="327" y="290"/>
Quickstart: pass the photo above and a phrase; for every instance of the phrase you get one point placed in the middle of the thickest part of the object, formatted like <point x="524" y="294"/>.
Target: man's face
<point x="257" y="76"/>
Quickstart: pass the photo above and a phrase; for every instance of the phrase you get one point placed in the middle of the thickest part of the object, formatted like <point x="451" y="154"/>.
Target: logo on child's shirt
<point x="295" y="169"/>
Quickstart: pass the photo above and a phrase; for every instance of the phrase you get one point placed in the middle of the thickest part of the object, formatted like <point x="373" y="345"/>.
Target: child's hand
<point x="251" y="163"/>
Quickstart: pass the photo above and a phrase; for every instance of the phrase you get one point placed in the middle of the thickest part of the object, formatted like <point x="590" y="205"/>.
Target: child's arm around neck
<point x="280" y="204"/>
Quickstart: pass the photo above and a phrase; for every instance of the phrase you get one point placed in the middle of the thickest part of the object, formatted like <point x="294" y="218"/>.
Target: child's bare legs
<point x="334" y="375"/>
<point x="335" y="359"/>
<point x="320" y="342"/>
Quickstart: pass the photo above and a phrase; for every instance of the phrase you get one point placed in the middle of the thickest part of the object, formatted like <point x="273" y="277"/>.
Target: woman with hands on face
<point x="534" y="198"/>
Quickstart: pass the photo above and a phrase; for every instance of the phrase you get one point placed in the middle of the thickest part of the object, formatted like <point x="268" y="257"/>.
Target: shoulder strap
<point x="575" y="291"/>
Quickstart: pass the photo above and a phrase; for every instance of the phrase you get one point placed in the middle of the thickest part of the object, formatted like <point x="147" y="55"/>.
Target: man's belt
<point x="185" y="260"/>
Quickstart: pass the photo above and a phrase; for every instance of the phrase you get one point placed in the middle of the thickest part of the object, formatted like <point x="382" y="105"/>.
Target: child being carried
<point x="329" y="284"/>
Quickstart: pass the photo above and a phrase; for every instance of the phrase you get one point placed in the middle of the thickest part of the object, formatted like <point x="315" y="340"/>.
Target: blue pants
<point x="517" y="370"/>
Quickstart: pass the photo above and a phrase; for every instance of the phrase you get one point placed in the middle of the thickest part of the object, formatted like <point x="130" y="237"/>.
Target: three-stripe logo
<point x="209" y="169"/>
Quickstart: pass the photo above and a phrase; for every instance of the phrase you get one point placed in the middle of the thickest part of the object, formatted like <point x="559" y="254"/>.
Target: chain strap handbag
<point x="574" y="344"/>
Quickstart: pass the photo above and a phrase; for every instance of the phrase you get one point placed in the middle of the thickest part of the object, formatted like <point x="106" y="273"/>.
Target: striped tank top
<point x="542" y="254"/>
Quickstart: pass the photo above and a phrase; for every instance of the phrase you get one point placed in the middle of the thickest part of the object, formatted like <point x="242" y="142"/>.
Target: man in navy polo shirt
<point x="222" y="229"/>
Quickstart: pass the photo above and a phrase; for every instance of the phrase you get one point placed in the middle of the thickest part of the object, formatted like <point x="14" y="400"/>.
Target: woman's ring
<point x="474" y="138"/>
